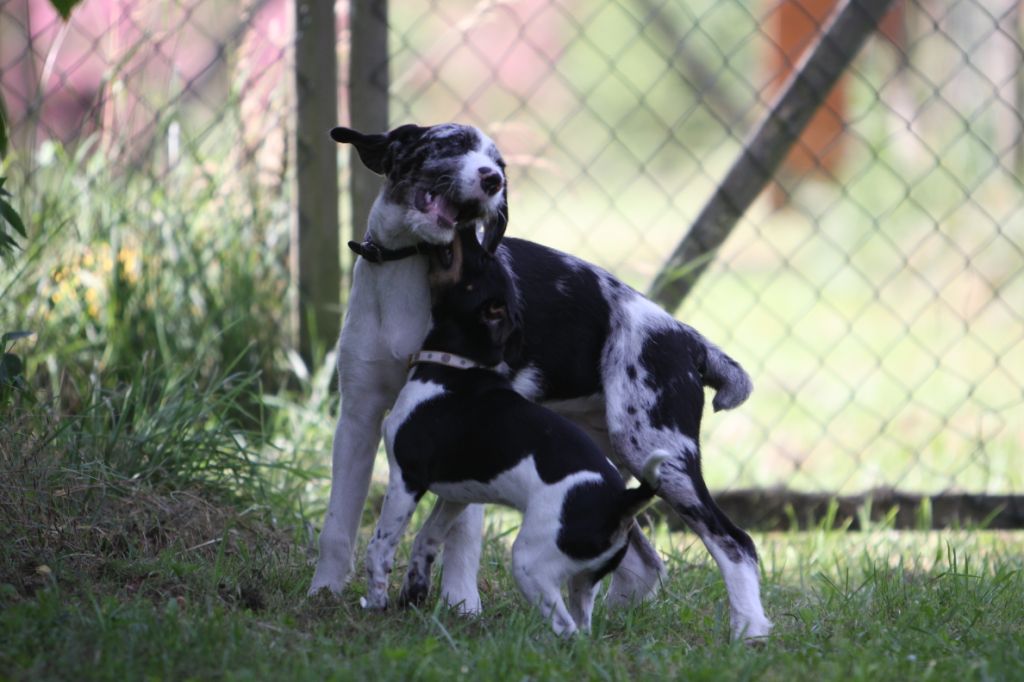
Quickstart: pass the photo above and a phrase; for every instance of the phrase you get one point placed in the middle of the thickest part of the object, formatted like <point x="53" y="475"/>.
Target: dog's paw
<point x="374" y="601"/>
<point x="414" y="591"/>
<point x="752" y="631"/>
<point x="323" y="585"/>
<point x="324" y="591"/>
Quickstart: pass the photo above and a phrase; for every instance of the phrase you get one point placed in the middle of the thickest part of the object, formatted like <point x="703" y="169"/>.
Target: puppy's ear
<point x="371" y="148"/>
<point x="514" y="342"/>
<point x="494" y="228"/>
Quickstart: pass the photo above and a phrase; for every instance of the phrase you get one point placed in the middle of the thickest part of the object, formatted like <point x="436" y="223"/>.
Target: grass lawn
<point x="163" y="448"/>
<point x="115" y="580"/>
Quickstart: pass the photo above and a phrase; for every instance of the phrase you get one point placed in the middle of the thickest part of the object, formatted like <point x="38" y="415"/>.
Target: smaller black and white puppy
<point x="460" y="430"/>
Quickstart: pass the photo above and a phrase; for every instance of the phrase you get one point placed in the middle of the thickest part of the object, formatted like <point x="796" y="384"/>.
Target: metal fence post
<point x="315" y="255"/>
<point x="369" y="79"/>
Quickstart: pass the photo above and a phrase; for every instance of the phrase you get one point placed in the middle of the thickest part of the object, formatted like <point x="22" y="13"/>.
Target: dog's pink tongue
<point x="446" y="213"/>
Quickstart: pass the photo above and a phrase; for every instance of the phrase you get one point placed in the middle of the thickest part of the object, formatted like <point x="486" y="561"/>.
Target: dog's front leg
<point x="461" y="560"/>
<point x="399" y="505"/>
<point x="355" y="446"/>
<point x="424" y="551"/>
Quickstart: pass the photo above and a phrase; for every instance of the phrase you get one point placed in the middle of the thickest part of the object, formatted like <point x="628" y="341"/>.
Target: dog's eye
<point x="494" y="311"/>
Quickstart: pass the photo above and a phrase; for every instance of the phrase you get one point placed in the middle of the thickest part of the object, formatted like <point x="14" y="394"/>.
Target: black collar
<point x="375" y="253"/>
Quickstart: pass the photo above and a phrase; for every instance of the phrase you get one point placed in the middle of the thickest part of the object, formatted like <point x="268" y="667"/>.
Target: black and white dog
<point x="593" y="349"/>
<point x="460" y="430"/>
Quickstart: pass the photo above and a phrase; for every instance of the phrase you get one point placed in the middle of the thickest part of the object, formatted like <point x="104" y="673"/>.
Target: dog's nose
<point x="490" y="181"/>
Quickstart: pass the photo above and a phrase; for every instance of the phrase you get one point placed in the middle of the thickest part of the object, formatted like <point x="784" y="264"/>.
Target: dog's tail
<point x="731" y="382"/>
<point x="635" y="499"/>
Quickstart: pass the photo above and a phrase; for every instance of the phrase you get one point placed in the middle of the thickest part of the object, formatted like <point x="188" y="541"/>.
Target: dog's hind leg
<point x="683" y="487"/>
<point x="461" y="560"/>
<point x="655" y="399"/>
<point x="355" y="445"/>
<point x="424" y="551"/>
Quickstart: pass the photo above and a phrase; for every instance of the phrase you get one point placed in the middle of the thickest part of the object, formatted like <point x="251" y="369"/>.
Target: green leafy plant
<point x="64" y="7"/>
<point x="12" y="368"/>
<point x="8" y="217"/>
<point x="8" y="214"/>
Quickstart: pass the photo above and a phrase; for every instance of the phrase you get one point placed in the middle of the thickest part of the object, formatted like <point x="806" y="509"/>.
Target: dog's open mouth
<point x="444" y="211"/>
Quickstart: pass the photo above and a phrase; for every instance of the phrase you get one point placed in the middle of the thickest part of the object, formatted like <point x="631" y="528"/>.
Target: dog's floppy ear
<point x="371" y="148"/>
<point x="377" y="150"/>
<point x="494" y="228"/>
<point x="514" y="340"/>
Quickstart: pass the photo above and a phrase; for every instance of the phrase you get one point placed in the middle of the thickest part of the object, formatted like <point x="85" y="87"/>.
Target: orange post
<point x="794" y="27"/>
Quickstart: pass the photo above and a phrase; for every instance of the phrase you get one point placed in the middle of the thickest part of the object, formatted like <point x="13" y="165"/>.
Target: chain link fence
<point x="874" y="291"/>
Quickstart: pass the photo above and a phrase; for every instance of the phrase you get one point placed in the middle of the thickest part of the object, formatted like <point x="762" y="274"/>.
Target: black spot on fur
<point x="589" y="519"/>
<point x="733" y="540"/>
<point x="671" y="359"/>
<point x="631" y="372"/>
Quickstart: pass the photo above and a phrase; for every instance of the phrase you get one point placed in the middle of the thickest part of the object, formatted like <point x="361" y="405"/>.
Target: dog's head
<point x="441" y="177"/>
<point x="475" y="311"/>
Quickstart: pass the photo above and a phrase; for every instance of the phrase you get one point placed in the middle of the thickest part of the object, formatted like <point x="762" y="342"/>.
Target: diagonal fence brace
<point x="776" y="133"/>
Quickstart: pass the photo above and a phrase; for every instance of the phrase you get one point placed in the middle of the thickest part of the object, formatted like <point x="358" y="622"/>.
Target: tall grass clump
<point x="179" y="263"/>
<point x="134" y="464"/>
<point x="155" y="287"/>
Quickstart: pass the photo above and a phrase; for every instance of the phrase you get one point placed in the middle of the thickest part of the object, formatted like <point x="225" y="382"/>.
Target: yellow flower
<point x="129" y="259"/>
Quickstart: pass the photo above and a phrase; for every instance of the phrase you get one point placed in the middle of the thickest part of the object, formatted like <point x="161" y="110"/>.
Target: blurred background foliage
<point x="873" y="293"/>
